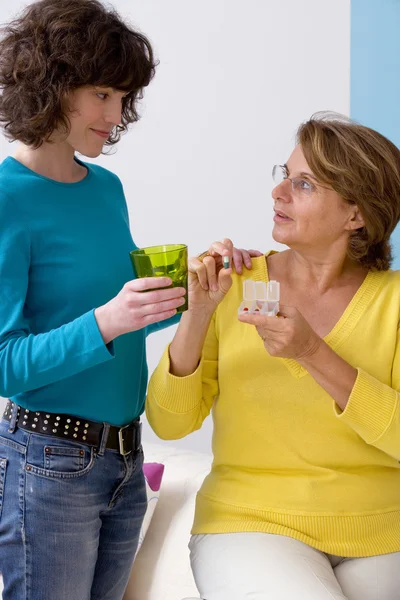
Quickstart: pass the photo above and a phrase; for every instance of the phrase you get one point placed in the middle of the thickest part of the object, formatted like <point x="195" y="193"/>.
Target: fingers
<point x="226" y="248"/>
<point x="155" y="318"/>
<point x="272" y="324"/>
<point x="148" y="283"/>
<point x="210" y="266"/>
<point x="198" y="267"/>
<point x="269" y="329"/>
<point x="275" y="324"/>
<point x="246" y="258"/>
<point x="206" y="271"/>
<point x="255" y="320"/>
<point x="202" y="255"/>
<point x="273" y="339"/>
<point x="223" y="248"/>
<point x="287" y="311"/>
<point x="149" y="296"/>
<point x="237" y="260"/>
<point x="158" y="308"/>
<point x="225" y="280"/>
<point x="240" y="257"/>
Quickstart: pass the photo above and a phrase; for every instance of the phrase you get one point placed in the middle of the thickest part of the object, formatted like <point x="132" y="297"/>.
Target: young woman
<point x="73" y="323"/>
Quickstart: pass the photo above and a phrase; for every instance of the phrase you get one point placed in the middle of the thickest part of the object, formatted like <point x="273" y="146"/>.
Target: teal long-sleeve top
<point x="64" y="251"/>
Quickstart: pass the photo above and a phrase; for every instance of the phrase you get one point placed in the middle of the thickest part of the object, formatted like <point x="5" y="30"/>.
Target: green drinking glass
<point x="170" y="261"/>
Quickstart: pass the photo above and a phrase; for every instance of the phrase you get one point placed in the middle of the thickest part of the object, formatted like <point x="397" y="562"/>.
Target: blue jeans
<point x="70" y="517"/>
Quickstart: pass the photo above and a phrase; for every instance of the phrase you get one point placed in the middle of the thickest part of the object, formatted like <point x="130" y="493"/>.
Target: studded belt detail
<point x="125" y="439"/>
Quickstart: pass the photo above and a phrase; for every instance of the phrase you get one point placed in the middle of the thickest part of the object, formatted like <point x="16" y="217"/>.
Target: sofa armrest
<point x="162" y="566"/>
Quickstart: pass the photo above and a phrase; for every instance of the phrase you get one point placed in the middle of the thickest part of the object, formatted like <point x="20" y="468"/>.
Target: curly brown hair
<point x="363" y="167"/>
<point x="57" y="46"/>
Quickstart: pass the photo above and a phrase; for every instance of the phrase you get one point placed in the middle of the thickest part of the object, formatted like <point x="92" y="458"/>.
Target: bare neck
<point x="52" y="160"/>
<point x="320" y="273"/>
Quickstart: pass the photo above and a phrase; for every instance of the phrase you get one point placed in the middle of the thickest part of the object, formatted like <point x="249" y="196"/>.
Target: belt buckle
<point x="121" y="440"/>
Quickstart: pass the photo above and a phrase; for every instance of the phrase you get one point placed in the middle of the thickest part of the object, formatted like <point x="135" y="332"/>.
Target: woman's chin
<point x="89" y="152"/>
<point x="280" y="237"/>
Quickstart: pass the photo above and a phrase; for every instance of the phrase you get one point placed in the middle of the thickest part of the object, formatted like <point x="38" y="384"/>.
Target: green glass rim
<point x="162" y="249"/>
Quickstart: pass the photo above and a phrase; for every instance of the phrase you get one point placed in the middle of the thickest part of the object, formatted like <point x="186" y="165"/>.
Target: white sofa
<point x="162" y="570"/>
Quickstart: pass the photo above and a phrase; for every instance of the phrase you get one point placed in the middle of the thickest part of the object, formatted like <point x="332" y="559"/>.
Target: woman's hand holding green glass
<point x="131" y="309"/>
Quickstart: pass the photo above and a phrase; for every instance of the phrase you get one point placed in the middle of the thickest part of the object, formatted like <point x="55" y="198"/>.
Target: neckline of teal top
<point x="74" y="184"/>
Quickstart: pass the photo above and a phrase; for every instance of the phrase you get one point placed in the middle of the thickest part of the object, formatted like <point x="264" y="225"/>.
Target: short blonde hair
<point x="363" y="167"/>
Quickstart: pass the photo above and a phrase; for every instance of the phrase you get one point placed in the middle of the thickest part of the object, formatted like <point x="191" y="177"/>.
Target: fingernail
<point x="226" y="262"/>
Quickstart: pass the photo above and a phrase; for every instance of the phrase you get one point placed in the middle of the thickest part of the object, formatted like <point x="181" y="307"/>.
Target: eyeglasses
<point x="300" y="186"/>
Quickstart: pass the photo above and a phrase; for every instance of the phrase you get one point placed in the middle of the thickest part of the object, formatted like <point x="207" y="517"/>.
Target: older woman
<point x="303" y="498"/>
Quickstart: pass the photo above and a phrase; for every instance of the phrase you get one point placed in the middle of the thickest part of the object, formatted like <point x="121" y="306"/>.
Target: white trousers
<point x="262" y="566"/>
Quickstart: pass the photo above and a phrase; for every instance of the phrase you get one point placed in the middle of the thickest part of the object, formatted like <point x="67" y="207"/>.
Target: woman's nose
<point x="113" y="114"/>
<point x="283" y="191"/>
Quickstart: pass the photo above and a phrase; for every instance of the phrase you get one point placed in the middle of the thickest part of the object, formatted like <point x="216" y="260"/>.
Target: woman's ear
<point x="356" y="220"/>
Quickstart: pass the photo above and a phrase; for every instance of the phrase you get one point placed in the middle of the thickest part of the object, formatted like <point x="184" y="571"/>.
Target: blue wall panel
<point x="375" y="72"/>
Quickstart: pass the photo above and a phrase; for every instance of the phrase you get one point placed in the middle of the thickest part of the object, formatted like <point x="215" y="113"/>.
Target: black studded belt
<point x="125" y="439"/>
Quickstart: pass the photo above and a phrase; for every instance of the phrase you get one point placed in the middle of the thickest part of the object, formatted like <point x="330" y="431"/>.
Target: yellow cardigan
<point x="286" y="459"/>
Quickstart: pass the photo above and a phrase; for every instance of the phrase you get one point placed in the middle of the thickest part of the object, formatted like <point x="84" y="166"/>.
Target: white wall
<point x="235" y="79"/>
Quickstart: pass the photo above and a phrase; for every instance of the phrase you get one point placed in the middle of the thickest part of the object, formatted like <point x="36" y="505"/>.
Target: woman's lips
<point x="281" y="217"/>
<point x="103" y="134"/>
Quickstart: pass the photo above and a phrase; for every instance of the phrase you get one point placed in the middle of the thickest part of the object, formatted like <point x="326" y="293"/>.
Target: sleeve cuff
<point x="176" y="394"/>
<point x="102" y="350"/>
<point x="370" y="409"/>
